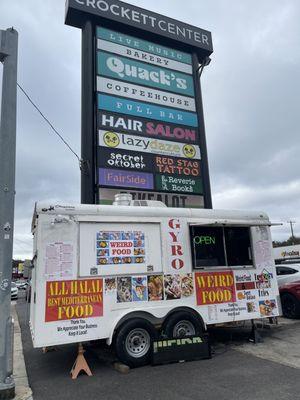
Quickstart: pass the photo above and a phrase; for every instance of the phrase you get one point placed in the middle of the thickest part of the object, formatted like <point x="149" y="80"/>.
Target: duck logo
<point x="111" y="139"/>
<point x="189" y="151"/>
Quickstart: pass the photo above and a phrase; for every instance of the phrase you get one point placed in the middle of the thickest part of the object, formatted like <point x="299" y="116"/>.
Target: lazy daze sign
<point x="142" y="128"/>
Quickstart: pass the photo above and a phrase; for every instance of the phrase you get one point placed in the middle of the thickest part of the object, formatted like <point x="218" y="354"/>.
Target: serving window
<point x="220" y="246"/>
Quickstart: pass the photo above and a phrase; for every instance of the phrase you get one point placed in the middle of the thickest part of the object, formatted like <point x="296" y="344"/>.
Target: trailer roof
<point x="222" y="217"/>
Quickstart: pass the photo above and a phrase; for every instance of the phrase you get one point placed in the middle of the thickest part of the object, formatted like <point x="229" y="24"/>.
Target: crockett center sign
<point x="140" y="18"/>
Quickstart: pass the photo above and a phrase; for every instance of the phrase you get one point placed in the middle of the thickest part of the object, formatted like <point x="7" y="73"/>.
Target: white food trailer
<point x="126" y="272"/>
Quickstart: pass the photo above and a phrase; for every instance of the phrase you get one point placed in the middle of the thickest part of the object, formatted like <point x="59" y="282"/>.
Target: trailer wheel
<point x="133" y="342"/>
<point x="182" y="324"/>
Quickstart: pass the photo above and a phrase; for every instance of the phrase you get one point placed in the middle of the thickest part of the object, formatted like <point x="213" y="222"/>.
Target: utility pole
<point x="9" y="58"/>
<point x="292" y="231"/>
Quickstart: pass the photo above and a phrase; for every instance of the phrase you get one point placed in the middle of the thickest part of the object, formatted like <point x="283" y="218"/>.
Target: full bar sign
<point x="149" y="125"/>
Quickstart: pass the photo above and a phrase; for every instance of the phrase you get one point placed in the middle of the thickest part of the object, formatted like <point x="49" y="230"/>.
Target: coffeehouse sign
<point x="148" y="128"/>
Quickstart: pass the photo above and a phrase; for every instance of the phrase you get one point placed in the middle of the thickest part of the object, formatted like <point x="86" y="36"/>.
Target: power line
<point x="18" y="246"/>
<point x="23" y="241"/>
<point x="50" y="124"/>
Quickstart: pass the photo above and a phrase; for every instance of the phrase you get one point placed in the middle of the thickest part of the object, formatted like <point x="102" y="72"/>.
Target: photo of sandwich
<point x="172" y="285"/>
<point x="155" y="287"/>
<point x="139" y="289"/>
<point x="187" y="285"/>
<point x="124" y="290"/>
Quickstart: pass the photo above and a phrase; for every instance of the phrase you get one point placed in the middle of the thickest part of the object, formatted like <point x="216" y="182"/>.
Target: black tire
<point x="290" y="306"/>
<point x="182" y="324"/>
<point x="134" y="342"/>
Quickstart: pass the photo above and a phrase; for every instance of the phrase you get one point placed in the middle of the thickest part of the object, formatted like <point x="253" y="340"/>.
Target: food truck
<point x="137" y="270"/>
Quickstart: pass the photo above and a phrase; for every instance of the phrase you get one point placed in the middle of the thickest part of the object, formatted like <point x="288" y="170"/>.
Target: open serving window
<point x="218" y="246"/>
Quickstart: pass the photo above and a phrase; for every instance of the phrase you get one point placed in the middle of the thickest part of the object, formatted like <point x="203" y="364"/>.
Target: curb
<point x="23" y="391"/>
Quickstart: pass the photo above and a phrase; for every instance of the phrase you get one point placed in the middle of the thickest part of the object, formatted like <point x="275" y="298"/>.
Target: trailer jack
<point x="254" y="336"/>
<point x="80" y="364"/>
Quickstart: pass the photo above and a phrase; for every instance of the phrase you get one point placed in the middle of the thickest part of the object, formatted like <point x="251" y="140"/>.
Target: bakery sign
<point x="148" y="120"/>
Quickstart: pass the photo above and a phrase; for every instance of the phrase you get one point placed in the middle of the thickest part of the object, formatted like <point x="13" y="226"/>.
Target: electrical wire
<point x="29" y="243"/>
<point x="49" y="123"/>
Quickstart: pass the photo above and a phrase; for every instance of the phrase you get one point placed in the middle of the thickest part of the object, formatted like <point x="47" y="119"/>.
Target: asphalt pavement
<point x="233" y="373"/>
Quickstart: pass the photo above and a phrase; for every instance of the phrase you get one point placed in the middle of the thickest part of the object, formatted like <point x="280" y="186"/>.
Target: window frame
<point x="284" y="267"/>
<point x="221" y="267"/>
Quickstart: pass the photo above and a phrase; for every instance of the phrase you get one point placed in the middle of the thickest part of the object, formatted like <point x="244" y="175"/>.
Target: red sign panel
<point x="215" y="287"/>
<point x="74" y="299"/>
<point x="245" y="286"/>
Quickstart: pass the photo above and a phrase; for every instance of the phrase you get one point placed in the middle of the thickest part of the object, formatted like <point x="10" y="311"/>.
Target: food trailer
<point x="135" y="270"/>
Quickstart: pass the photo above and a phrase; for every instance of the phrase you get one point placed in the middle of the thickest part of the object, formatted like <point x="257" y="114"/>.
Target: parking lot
<point x="237" y="370"/>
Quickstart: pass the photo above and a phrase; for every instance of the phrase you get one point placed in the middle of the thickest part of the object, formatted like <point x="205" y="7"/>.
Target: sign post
<point x="9" y="56"/>
<point x="87" y="116"/>
<point x="142" y="115"/>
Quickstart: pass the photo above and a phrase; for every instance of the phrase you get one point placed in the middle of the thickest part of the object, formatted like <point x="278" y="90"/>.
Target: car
<point x="14" y="291"/>
<point x="28" y="291"/>
<point x="290" y="299"/>
<point x="21" y="285"/>
<point x="287" y="273"/>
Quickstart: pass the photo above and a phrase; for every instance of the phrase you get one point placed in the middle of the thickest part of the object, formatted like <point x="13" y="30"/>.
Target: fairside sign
<point x="115" y="177"/>
<point x="139" y="18"/>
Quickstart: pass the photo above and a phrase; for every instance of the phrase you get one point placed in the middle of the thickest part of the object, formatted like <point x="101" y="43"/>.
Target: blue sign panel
<point x="138" y="109"/>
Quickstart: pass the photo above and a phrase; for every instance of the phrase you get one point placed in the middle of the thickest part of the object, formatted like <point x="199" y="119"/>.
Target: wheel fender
<point x="189" y="310"/>
<point x="125" y="316"/>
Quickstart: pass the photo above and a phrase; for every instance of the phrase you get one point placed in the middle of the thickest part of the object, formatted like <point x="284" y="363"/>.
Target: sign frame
<point x="88" y="19"/>
<point x="139" y="18"/>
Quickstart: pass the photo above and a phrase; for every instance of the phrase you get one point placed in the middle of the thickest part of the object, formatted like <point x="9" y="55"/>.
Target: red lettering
<point x="150" y="128"/>
<point x="174" y="224"/>
<point x="174" y="236"/>
<point x="120" y="252"/>
<point x="179" y="133"/>
<point x="121" y="244"/>
<point x="177" y="263"/>
<point x="161" y="131"/>
<point x="177" y="250"/>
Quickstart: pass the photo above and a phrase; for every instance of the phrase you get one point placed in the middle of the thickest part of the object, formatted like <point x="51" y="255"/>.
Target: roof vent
<point x="147" y="203"/>
<point x="122" y="199"/>
<point x="140" y="203"/>
<point x="125" y="199"/>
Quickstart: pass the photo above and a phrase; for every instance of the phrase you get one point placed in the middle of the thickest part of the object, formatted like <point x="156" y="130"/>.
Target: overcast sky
<point x="251" y="94"/>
